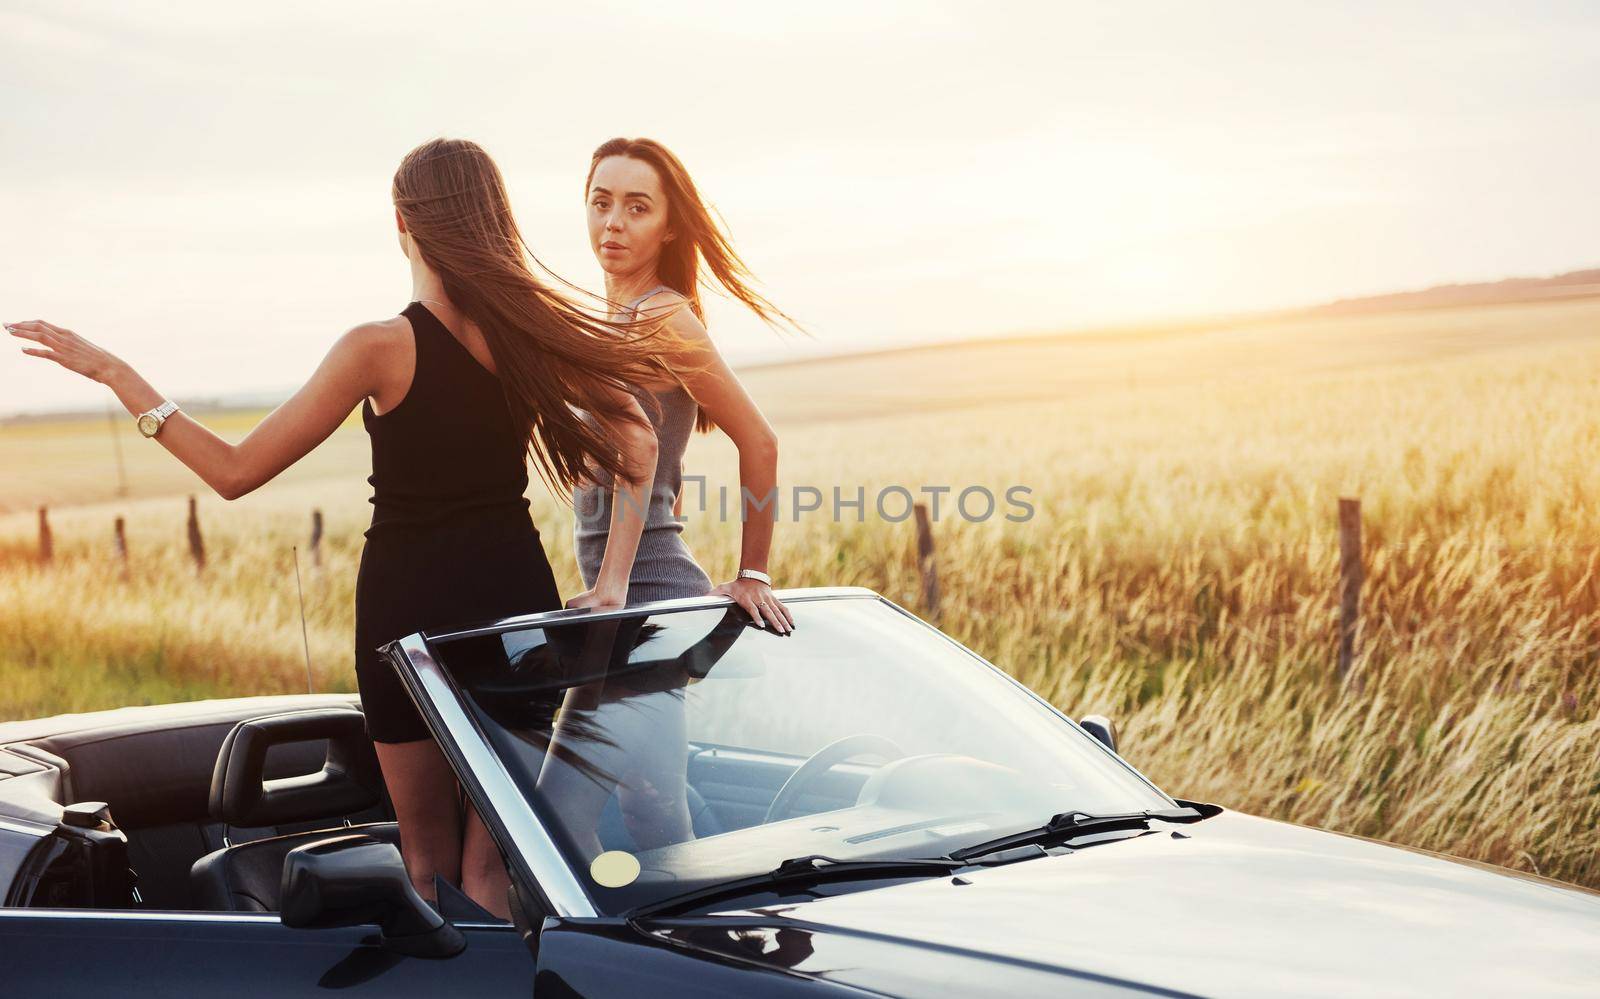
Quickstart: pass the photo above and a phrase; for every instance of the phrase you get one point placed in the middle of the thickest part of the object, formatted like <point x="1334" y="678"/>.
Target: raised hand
<point x="66" y="348"/>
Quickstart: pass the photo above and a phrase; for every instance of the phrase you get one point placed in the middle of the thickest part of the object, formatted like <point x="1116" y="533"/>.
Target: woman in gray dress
<point x="654" y="237"/>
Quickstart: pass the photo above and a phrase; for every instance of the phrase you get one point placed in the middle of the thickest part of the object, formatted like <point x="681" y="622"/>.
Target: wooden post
<point x="930" y="576"/>
<point x="47" y="543"/>
<point x="197" y="545"/>
<point x="1350" y="577"/>
<point x="316" y="538"/>
<point x="121" y="540"/>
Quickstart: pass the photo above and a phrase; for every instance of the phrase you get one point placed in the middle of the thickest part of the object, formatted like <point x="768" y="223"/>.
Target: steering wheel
<point x="824" y="760"/>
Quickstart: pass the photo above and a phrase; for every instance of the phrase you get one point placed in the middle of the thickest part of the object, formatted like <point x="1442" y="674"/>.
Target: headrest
<point x="348" y="782"/>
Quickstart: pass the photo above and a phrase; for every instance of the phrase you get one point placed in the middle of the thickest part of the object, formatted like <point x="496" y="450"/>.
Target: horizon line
<point x="1372" y="304"/>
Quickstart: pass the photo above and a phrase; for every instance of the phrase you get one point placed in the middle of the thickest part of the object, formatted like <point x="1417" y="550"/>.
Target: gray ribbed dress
<point x="664" y="568"/>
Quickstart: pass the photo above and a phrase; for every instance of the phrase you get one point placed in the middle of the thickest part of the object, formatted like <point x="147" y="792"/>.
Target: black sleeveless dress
<point x="451" y="540"/>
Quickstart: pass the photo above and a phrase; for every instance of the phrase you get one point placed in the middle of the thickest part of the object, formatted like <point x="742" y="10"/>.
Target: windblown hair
<point x="551" y="356"/>
<point x="699" y="244"/>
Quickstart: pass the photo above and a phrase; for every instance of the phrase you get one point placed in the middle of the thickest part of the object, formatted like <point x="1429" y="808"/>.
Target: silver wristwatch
<point x="755" y="574"/>
<point x="150" y="421"/>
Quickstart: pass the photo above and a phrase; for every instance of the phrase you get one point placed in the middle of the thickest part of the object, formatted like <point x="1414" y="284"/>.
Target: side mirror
<point x="1101" y="728"/>
<point x="357" y="879"/>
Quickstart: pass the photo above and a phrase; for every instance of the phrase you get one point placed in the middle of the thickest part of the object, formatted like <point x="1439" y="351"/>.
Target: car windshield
<point x="672" y="751"/>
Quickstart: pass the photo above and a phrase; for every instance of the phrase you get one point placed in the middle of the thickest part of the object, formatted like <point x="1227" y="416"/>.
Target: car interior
<point x="211" y="796"/>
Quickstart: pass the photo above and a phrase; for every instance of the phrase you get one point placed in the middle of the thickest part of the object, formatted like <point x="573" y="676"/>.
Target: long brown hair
<point x="550" y="355"/>
<point x="699" y="243"/>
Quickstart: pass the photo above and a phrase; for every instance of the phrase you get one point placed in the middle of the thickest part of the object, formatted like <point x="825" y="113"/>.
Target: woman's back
<point x="451" y="540"/>
<point x="449" y="448"/>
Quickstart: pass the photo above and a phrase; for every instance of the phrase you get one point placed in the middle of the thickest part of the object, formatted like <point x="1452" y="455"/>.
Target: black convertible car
<point x="692" y="805"/>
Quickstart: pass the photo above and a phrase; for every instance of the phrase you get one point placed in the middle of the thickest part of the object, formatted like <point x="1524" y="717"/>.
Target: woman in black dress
<point x="484" y="366"/>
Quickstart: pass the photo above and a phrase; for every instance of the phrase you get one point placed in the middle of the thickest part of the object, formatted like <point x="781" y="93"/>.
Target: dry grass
<point x="1178" y="573"/>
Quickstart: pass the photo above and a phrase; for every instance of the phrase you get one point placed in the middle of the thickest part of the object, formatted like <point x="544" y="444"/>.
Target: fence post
<point x="120" y="537"/>
<point x="47" y="543"/>
<point x="197" y="545"/>
<point x="1350" y="577"/>
<point x="930" y="575"/>
<point x="316" y="538"/>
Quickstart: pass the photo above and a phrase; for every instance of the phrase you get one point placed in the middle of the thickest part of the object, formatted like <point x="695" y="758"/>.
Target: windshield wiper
<point x="801" y="872"/>
<point x="1067" y="825"/>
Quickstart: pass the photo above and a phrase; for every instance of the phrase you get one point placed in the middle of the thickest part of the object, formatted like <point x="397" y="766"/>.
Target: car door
<point x="49" y="952"/>
<point x="118" y="951"/>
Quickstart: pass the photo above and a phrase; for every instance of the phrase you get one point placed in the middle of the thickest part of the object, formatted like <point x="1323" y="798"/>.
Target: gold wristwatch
<point x="150" y="422"/>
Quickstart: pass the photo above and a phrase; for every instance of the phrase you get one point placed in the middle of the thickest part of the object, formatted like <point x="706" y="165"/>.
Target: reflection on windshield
<point x="693" y="748"/>
<point x="625" y="732"/>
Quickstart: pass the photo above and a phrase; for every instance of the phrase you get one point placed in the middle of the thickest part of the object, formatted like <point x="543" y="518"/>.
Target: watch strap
<point x="755" y="574"/>
<point x="159" y="414"/>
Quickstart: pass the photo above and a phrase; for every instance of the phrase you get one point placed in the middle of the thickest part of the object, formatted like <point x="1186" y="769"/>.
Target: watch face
<point x="148" y="425"/>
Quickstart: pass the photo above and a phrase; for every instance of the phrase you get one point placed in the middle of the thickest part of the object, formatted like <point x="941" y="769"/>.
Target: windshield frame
<point x="509" y="816"/>
<point x="508" y="813"/>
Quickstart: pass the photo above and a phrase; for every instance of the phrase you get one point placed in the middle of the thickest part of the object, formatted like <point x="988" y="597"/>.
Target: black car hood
<point x="1243" y="906"/>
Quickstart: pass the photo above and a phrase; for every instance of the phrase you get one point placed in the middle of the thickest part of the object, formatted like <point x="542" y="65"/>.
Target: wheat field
<point x="1178" y="573"/>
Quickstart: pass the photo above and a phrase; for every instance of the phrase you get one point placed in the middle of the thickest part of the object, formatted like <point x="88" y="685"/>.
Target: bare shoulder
<point x="664" y="302"/>
<point x="378" y="357"/>
<point x="378" y="336"/>
<point x="680" y="318"/>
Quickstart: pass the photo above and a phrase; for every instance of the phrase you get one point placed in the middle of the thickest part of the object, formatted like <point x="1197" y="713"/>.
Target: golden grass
<point x="1178" y="574"/>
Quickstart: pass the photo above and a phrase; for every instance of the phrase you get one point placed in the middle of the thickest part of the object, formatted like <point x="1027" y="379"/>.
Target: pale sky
<point x="203" y="187"/>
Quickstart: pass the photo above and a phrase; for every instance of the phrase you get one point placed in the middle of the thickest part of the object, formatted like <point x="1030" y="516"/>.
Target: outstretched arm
<point x="346" y="376"/>
<point x="719" y="392"/>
